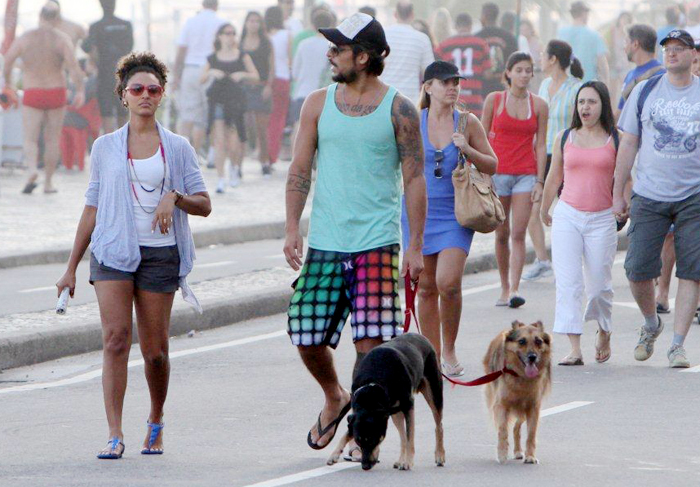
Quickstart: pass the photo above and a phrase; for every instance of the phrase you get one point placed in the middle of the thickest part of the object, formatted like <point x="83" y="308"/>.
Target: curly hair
<point x="139" y="62"/>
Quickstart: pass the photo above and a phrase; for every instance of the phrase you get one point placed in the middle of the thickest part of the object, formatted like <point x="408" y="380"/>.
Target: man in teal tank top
<point x="368" y="140"/>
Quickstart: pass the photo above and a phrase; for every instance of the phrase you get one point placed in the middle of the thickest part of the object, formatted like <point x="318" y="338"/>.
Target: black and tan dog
<point x="525" y="350"/>
<point x="385" y="384"/>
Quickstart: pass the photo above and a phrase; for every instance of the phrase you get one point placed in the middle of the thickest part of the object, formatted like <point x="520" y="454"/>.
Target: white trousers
<point x="583" y="252"/>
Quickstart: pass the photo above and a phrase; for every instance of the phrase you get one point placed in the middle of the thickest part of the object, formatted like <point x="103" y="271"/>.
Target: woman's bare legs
<point x="450" y="269"/>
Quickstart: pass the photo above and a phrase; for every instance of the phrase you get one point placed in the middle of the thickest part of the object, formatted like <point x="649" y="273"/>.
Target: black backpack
<point x="643" y="95"/>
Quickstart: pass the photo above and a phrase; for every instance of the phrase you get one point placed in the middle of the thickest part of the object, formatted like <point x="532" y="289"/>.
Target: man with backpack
<point x="640" y="48"/>
<point x="661" y="124"/>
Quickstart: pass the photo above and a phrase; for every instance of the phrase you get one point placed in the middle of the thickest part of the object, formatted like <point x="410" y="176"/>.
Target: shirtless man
<point x="75" y="31"/>
<point x="45" y="53"/>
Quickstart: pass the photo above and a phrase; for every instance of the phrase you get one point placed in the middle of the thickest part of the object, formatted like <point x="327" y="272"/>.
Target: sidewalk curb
<point x="87" y="337"/>
<point x="217" y="236"/>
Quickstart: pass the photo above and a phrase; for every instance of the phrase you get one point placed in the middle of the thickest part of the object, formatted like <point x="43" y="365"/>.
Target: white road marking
<point x="38" y="289"/>
<point x="564" y="407"/>
<point x="692" y="370"/>
<point x="309" y="474"/>
<point x="318" y="472"/>
<point x="134" y="363"/>
<point x="276" y="256"/>
<point x="215" y="264"/>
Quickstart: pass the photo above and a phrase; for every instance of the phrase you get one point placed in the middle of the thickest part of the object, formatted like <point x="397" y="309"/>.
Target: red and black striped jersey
<point x="471" y="55"/>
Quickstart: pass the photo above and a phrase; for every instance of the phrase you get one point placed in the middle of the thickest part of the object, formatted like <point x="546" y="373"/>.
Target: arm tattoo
<point x="298" y="183"/>
<point x="408" y="137"/>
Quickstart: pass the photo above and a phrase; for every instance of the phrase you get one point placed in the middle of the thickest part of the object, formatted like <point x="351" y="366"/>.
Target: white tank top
<point x="280" y="45"/>
<point x="149" y="174"/>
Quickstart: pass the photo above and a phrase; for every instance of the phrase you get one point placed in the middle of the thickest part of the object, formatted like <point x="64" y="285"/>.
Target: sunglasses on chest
<point x="439" y="157"/>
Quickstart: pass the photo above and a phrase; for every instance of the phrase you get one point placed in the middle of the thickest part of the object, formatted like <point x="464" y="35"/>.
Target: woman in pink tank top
<point x="516" y="121"/>
<point x="584" y="230"/>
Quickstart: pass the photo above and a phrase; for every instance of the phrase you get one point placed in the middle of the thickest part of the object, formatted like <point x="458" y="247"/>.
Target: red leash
<point x="411" y="289"/>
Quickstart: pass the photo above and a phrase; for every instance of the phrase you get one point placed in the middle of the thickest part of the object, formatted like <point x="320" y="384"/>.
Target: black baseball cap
<point x="679" y="35"/>
<point x="441" y="70"/>
<point x="360" y="29"/>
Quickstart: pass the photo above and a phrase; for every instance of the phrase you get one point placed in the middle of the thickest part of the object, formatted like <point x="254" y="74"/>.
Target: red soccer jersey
<point x="471" y="55"/>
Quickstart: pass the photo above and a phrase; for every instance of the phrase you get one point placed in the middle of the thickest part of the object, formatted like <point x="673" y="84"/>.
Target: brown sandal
<point x="602" y="354"/>
<point x="571" y="361"/>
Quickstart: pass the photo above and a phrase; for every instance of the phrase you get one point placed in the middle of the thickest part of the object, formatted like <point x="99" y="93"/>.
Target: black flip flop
<point x="662" y="310"/>
<point x="516" y="302"/>
<point x="29" y="187"/>
<point x="322" y="431"/>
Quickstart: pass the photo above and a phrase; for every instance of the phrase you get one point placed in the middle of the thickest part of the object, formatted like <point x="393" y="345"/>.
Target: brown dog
<point x="525" y="350"/>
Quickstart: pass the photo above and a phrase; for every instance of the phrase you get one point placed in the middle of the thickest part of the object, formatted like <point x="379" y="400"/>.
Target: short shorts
<point x="334" y="284"/>
<point x="509" y="184"/>
<point x="158" y="272"/>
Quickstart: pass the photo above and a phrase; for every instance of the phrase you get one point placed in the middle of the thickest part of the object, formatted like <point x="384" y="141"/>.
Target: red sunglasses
<point x="137" y="89"/>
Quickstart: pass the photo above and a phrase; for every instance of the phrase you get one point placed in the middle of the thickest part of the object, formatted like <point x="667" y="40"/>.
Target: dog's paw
<point x="333" y="459"/>
<point x="502" y="458"/>
<point x="519" y="455"/>
<point x="440" y="459"/>
<point x="402" y="465"/>
<point x="531" y="460"/>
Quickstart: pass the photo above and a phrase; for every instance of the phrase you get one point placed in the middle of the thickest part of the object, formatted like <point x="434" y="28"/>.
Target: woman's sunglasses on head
<point x="137" y="89"/>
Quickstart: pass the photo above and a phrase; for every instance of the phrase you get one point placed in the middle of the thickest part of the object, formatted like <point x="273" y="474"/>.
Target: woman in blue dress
<point x="446" y="243"/>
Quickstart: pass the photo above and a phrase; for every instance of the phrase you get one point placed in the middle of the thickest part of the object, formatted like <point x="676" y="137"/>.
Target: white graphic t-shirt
<point x="668" y="164"/>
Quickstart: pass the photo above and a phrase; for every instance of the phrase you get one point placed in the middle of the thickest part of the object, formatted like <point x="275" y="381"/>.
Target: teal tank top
<point x="357" y="197"/>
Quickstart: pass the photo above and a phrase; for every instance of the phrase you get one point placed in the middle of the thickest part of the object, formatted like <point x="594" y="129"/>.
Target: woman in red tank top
<point x="516" y="121"/>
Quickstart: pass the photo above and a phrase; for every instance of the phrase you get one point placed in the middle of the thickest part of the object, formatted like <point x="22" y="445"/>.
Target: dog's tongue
<point x="531" y="371"/>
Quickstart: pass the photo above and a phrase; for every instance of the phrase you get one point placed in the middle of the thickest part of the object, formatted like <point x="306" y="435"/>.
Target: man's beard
<point x="346" y="78"/>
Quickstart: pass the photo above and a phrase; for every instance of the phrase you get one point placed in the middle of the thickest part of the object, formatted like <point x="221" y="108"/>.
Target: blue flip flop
<point x="113" y="444"/>
<point x="156" y="428"/>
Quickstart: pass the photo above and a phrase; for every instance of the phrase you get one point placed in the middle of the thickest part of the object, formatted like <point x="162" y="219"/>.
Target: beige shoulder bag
<point x="476" y="204"/>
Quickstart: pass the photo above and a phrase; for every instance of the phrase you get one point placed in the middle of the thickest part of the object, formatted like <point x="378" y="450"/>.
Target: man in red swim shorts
<point x="45" y="53"/>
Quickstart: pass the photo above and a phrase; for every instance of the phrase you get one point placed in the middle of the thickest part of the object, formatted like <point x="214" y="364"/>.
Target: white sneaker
<point x="221" y="186"/>
<point x="234" y="178"/>
<point x="537" y="270"/>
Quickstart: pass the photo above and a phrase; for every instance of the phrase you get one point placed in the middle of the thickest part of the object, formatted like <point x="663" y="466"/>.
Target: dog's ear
<point x="517" y="324"/>
<point x="547" y="339"/>
<point x="538" y="324"/>
<point x="512" y="335"/>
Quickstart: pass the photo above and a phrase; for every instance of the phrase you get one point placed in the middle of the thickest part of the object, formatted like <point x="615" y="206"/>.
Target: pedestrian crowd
<point x="606" y="126"/>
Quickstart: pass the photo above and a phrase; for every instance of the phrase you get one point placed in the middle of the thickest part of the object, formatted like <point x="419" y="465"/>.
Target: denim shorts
<point x="650" y="221"/>
<point x="158" y="272"/>
<point x="510" y="184"/>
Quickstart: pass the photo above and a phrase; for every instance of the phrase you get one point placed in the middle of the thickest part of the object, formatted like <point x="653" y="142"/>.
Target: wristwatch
<point x="178" y="195"/>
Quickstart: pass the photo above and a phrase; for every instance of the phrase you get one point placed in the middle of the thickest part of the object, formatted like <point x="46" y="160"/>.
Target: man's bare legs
<point x="668" y="260"/>
<point x="686" y="305"/>
<point x="319" y="361"/>
<point x="31" y="128"/>
<point x="643" y="292"/>
<point x="52" y="141"/>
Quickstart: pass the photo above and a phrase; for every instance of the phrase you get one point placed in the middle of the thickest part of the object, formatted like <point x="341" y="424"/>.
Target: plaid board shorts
<point x="333" y="284"/>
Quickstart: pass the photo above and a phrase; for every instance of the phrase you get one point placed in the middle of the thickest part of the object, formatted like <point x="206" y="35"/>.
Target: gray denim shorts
<point x="650" y="221"/>
<point x="509" y="184"/>
<point x="158" y="272"/>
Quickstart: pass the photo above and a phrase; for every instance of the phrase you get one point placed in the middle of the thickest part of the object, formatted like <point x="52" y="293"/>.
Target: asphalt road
<point x="241" y="403"/>
<point x="32" y="288"/>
